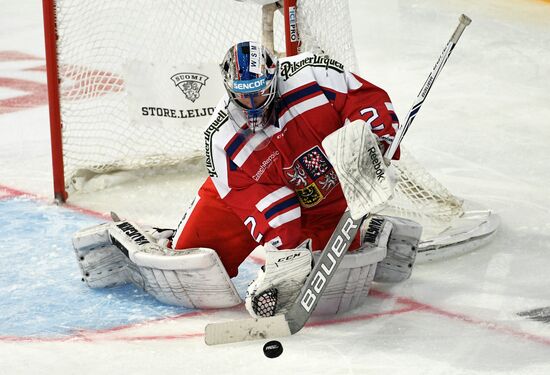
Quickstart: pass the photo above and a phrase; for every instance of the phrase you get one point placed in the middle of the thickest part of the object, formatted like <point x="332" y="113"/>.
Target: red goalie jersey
<point x="277" y="185"/>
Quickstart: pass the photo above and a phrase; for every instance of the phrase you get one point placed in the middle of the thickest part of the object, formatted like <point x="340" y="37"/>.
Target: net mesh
<point x="96" y="39"/>
<point x="420" y="197"/>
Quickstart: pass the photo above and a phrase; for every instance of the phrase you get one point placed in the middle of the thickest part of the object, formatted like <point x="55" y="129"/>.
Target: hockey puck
<point x="273" y="349"/>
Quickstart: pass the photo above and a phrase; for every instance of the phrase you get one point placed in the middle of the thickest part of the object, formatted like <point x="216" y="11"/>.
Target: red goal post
<point x="52" y="72"/>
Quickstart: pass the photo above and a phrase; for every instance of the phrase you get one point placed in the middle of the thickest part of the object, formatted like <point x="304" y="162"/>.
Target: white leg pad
<point x="402" y="249"/>
<point x="112" y="254"/>
<point x="101" y="263"/>
<point x="351" y="283"/>
<point x="193" y="278"/>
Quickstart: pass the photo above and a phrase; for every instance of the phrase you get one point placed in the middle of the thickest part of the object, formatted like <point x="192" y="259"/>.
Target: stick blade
<point x="246" y="330"/>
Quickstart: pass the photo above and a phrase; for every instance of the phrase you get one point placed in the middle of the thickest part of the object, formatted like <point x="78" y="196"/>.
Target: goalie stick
<point x="294" y="320"/>
<point x="464" y="21"/>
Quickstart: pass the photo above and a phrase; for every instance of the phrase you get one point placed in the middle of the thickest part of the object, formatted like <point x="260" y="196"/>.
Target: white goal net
<point x="116" y="57"/>
<point x="138" y="80"/>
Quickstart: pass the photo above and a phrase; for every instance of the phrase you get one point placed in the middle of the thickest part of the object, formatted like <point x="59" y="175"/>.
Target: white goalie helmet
<point x="249" y="75"/>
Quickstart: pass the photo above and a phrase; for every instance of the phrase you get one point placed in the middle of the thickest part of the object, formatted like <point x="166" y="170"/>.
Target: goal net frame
<point x="448" y="223"/>
<point x="89" y="57"/>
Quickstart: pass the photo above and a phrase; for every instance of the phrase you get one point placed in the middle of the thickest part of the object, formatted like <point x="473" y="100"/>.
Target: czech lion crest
<point x="312" y="176"/>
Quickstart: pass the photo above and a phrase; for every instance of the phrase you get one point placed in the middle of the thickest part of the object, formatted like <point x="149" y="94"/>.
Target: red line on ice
<point x="36" y="94"/>
<point x="492" y="326"/>
<point x="17" y="56"/>
<point x="7" y="192"/>
<point x="410" y="306"/>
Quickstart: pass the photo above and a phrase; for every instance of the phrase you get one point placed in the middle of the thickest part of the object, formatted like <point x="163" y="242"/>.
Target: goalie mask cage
<point x="90" y="46"/>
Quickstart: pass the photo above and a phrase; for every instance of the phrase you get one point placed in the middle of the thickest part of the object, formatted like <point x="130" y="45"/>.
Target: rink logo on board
<point x="212" y="129"/>
<point x="292" y="24"/>
<point x="288" y="68"/>
<point x="177" y="113"/>
<point x="190" y="84"/>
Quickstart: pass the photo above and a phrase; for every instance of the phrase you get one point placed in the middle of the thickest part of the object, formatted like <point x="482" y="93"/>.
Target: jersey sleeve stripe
<point x="331" y="95"/>
<point x="291" y="97"/>
<point x="219" y="170"/>
<point x="285" y="218"/>
<point x="292" y="201"/>
<point x="232" y="165"/>
<point x="295" y="97"/>
<point x="235" y="144"/>
<point x="249" y="147"/>
<point x="302" y="107"/>
<point x="221" y="187"/>
<point x="275" y="196"/>
<point x="389" y="107"/>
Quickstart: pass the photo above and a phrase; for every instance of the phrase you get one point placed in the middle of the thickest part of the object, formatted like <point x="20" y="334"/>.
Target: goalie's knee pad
<point x="402" y="248"/>
<point x="351" y="282"/>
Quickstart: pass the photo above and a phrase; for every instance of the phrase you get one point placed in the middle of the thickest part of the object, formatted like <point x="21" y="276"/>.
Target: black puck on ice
<point x="273" y="349"/>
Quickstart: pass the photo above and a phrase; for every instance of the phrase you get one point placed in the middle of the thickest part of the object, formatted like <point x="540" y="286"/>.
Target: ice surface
<point x="40" y="274"/>
<point x="483" y="132"/>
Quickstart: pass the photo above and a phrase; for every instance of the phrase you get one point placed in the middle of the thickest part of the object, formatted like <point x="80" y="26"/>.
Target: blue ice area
<point x="41" y="292"/>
